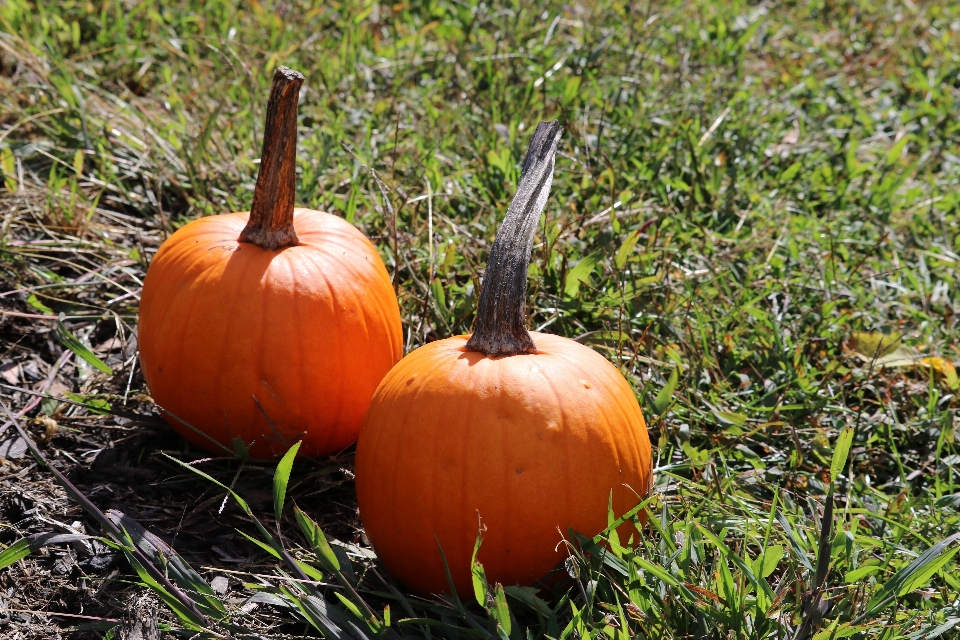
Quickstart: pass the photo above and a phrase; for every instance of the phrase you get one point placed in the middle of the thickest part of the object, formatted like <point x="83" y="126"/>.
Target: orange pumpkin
<point x="270" y="326"/>
<point x="518" y="436"/>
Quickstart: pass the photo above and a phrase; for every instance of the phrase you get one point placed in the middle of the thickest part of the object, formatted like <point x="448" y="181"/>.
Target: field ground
<point x="747" y="195"/>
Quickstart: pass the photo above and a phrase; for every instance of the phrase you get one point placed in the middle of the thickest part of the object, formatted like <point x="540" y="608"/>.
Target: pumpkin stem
<point x="271" y="216"/>
<point x="499" y="328"/>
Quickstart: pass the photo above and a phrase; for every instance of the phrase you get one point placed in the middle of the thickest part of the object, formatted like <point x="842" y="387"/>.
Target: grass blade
<point x="728" y="553"/>
<point x="912" y="576"/>
<point x="841" y="452"/>
<point x="623" y="253"/>
<point x="17" y="551"/>
<point x="318" y="541"/>
<point x="662" y="401"/>
<point x="71" y="342"/>
<point x="826" y="536"/>
<point x="184" y="602"/>
<point x="280" y="480"/>
<point x="25" y="546"/>
<point x="158" y="551"/>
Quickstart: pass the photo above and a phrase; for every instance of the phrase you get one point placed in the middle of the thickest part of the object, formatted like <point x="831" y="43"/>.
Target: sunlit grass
<point x="739" y="190"/>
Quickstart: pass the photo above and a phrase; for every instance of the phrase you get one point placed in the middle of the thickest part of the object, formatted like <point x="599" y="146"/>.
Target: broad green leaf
<point x="501" y="611"/>
<point x="328" y="559"/>
<point x="626" y="248"/>
<point x="71" y="342"/>
<point x="697" y="457"/>
<point x="840" y="453"/>
<point x="575" y="624"/>
<point x="854" y="167"/>
<point x="480" y="585"/>
<point x="612" y="537"/>
<point x="799" y="552"/>
<point x="662" y="401"/>
<point x="438" y="295"/>
<point x="767" y="563"/>
<point x="581" y="272"/>
<point x="624" y="518"/>
<point x="674" y="356"/>
<point x="344" y="561"/>
<point x="280" y="479"/>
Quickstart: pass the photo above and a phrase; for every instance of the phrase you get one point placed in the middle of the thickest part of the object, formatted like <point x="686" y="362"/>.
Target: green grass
<point x="742" y="193"/>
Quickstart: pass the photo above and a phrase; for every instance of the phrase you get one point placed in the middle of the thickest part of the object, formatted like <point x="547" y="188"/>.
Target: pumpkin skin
<point x="307" y="330"/>
<point x="525" y="446"/>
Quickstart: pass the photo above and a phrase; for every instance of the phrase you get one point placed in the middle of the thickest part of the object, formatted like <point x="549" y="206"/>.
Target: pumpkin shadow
<point x="472" y="357"/>
<point x="475" y="357"/>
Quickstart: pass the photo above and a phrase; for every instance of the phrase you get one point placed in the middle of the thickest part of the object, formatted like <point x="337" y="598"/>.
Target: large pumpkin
<point x="514" y="436"/>
<point x="270" y="326"/>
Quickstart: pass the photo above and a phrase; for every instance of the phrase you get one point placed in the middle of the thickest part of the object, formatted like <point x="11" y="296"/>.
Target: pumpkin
<point x="514" y="436"/>
<point x="271" y="326"/>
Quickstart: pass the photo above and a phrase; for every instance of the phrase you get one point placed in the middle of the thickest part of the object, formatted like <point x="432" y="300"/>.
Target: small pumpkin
<point x="269" y="326"/>
<point x="514" y="435"/>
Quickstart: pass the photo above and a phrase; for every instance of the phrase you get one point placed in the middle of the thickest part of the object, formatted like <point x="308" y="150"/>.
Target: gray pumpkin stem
<point x="499" y="328"/>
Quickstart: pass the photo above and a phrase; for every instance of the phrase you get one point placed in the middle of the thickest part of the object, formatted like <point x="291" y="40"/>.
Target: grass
<point x="746" y="195"/>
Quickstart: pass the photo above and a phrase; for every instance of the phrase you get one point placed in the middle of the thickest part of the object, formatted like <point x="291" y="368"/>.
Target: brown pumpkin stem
<point x="499" y="328"/>
<point x="271" y="216"/>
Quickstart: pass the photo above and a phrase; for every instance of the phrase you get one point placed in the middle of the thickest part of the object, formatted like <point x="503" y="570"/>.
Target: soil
<point x="103" y="432"/>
